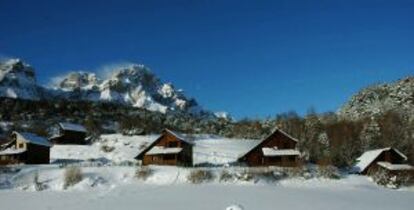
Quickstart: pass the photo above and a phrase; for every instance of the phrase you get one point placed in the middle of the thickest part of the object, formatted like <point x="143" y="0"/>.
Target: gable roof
<point x="72" y="127"/>
<point x="369" y="156"/>
<point x="33" y="138"/>
<point x="181" y="137"/>
<point x="265" y="139"/>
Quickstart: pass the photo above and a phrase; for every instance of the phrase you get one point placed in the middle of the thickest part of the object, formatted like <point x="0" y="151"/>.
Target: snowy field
<point x="174" y="196"/>
<point x="114" y="187"/>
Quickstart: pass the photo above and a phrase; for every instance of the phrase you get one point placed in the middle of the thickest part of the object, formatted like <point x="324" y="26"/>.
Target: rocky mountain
<point x="17" y="80"/>
<point x="131" y="84"/>
<point x="378" y="99"/>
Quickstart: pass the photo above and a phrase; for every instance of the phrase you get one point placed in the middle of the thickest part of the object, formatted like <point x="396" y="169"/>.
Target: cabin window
<point x="21" y="145"/>
<point x="3" y="157"/>
<point x="169" y="157"/>
<point x="172" y="144"/>
<point x="292" y="158"/>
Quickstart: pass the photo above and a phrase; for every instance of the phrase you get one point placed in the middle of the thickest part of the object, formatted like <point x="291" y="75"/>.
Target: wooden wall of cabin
<point x="10" y="159"/>
<point x="280" y="141"/>
<point x="184" y="158"/>
<point x="37" y="154"/>
<point x="70" y="137"/>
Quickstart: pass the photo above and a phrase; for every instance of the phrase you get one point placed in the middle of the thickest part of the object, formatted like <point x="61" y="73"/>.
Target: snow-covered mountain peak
<point x="130" y="84"/>
<point x="78" y="80"/>
<point x="17" y="80"/>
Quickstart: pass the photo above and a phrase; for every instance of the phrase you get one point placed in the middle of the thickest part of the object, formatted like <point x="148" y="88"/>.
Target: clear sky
<point x="250" y="58"/>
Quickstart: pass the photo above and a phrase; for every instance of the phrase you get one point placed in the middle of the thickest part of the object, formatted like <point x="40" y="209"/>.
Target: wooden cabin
<point x="26" y="148"/>
<point x="388" y="158"/>
<point x="278" y="149"/>
<point x="171" y="148"/>
<point x="69" y="133"/>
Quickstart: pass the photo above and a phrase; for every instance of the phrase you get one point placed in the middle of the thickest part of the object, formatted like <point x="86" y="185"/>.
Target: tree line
<point x="323" y="138"/>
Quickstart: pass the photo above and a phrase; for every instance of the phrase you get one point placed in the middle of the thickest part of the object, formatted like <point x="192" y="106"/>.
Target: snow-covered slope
<point x="220" y="151"/>
<point x="17" y="80"/>
<point x="130" y="84"/>
<point x="208" y="149"/>
<point x="124" y="148"/>
<point x="378" y="99"/>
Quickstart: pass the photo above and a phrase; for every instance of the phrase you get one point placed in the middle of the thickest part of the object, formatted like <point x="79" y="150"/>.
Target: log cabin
<point x="389" y="159"/>
<point x="277" y="149"/>
<point x="170" y="148"/>
<point x="26" y="148"/>
<point x="69" y="133"/>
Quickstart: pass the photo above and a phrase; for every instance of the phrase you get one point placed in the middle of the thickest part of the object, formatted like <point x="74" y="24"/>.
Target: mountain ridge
<point x="378" y="99"/>
<point x="133" y="84"/>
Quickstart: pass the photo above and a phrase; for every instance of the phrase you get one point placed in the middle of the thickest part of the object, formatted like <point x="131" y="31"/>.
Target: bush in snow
<point x="384" y="178"/>
<point x="72" y="176"/>
<point x="328" y="171"/>
<point x="39" y="186"/>
<point x="256" y="174"/>
<point x="200" y="176"/>
<point x="143" y="172"/>
<point x="226" y="176"/>
<point x="107" y="149"/>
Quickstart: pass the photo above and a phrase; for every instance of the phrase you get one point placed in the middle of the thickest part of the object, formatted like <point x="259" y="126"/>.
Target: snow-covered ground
<point x="117" y="188"/>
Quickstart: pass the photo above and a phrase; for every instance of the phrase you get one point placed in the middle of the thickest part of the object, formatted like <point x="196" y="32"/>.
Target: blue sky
<point x="250" y="58"/>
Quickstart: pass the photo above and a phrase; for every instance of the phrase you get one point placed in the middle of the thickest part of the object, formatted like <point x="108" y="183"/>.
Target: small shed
<point x="70" y="133"/>
<point x="277" y="149"/>
<point x="171" y="148"/>
<point x="27" y="148"/>
<point x="388" y="158"/>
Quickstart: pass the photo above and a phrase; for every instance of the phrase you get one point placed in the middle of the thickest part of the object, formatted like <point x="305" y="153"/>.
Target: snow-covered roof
<point x="269" y="152"/>
<point x="12" y="151"/>
<point x="369" y="156"/>
<point x="72" y="127"/>
<point x="183" y="137"/>
<point x="33" y="138"/>
<point x="157" y="150"/>
<point x="395" y="167"/>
